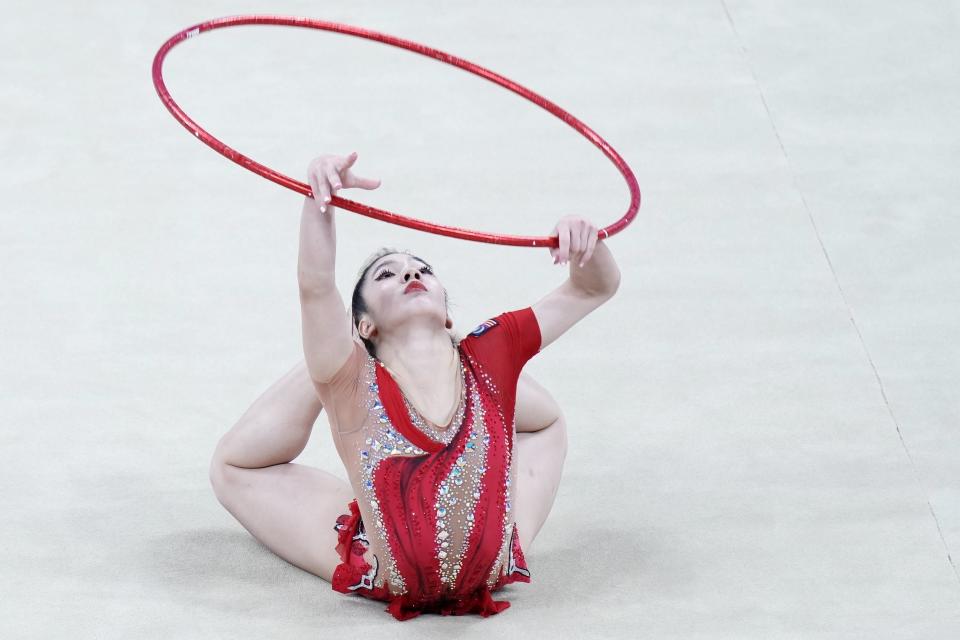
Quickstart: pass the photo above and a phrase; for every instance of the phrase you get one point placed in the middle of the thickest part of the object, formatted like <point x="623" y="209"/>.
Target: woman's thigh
<point x="290" y="508"/>
<point x="539" y="457"/>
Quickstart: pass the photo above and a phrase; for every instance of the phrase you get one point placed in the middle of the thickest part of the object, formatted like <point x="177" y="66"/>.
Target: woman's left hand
<point x="577" y="238"/>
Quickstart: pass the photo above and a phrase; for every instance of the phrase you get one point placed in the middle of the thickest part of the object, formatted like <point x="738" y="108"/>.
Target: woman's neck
<point x="419" y="353"/>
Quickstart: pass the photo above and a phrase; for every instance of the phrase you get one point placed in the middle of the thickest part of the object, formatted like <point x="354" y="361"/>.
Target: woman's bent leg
<point x="540" y="457"/>
<point x="276" y="427"/>
<point x="290" y="508"/>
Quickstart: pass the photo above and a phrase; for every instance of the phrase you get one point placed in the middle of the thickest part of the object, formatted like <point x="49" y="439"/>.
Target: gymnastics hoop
<point x="356" y="207"/>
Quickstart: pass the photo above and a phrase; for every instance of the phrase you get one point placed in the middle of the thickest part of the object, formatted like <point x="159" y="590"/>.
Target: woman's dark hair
<point x="358" y="305"/>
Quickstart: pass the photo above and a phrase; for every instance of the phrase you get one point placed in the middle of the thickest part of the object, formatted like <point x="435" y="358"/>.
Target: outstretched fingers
<point x="363" y="183"/>
<point x="328" y="174"/>
<point x="340" y="175"/>
<point x="319" y="188"/>
<point x="334" y="178"/>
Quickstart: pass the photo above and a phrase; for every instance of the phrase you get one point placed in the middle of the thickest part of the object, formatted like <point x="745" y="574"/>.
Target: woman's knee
<point x="219" y="475"/>
<point x="557" y="441"/>
<point x="223" y="477"/>
<point x="545" y="449"/>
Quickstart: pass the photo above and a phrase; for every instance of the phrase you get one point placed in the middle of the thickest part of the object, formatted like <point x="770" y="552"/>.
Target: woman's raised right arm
<point x="327" y="338"/>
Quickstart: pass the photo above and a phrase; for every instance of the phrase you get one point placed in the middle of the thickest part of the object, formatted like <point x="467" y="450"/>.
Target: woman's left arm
<point x="594" y="278"/>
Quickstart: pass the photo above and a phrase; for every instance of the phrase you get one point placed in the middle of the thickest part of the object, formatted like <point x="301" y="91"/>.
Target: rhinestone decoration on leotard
<point x="457" y="493"/>
<point x="455" y="516"/>
<point x="440" y="435"/>
<point x="495" y="392"/>
<point x="507" y="524"/>
<point x="384" y="442"/>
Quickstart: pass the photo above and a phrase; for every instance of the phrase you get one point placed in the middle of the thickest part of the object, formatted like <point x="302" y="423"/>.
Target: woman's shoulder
<point x="503" y="343"/>
<point x="509" y="329"/>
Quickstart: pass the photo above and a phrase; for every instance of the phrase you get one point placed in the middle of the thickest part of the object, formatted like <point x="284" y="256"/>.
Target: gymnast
<point x="440" y="505"/>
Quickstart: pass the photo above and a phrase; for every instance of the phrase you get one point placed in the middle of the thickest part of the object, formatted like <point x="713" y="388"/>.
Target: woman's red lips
<point x="413" y="286"/>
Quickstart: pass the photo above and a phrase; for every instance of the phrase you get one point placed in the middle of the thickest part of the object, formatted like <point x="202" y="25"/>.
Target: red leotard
<point x="432" y="529"/>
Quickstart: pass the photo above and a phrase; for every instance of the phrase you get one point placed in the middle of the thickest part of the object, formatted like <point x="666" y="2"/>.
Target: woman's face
<point x="399" y="289"/>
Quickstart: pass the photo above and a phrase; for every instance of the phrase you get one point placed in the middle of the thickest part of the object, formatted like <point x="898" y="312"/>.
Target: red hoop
<point x="356" y="207"/>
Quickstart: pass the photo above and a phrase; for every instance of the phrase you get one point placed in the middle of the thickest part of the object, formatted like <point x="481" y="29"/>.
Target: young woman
<point x="440" y="504"/>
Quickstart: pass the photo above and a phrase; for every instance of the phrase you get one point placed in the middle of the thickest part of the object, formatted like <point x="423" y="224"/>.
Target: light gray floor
<point x="763" y="421"/>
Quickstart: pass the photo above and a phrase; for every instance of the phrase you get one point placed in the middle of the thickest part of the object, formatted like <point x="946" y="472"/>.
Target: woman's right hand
<point x="328" y="173"/>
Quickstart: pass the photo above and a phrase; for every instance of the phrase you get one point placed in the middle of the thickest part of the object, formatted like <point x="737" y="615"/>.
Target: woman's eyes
<point x="386" y="271"/>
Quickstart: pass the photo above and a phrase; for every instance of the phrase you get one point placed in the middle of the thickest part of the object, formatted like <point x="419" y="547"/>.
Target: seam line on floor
<point x="836" y="280"/>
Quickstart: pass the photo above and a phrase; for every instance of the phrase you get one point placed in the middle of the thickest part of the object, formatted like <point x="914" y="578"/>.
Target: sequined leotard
<point x="432" y="528"/>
